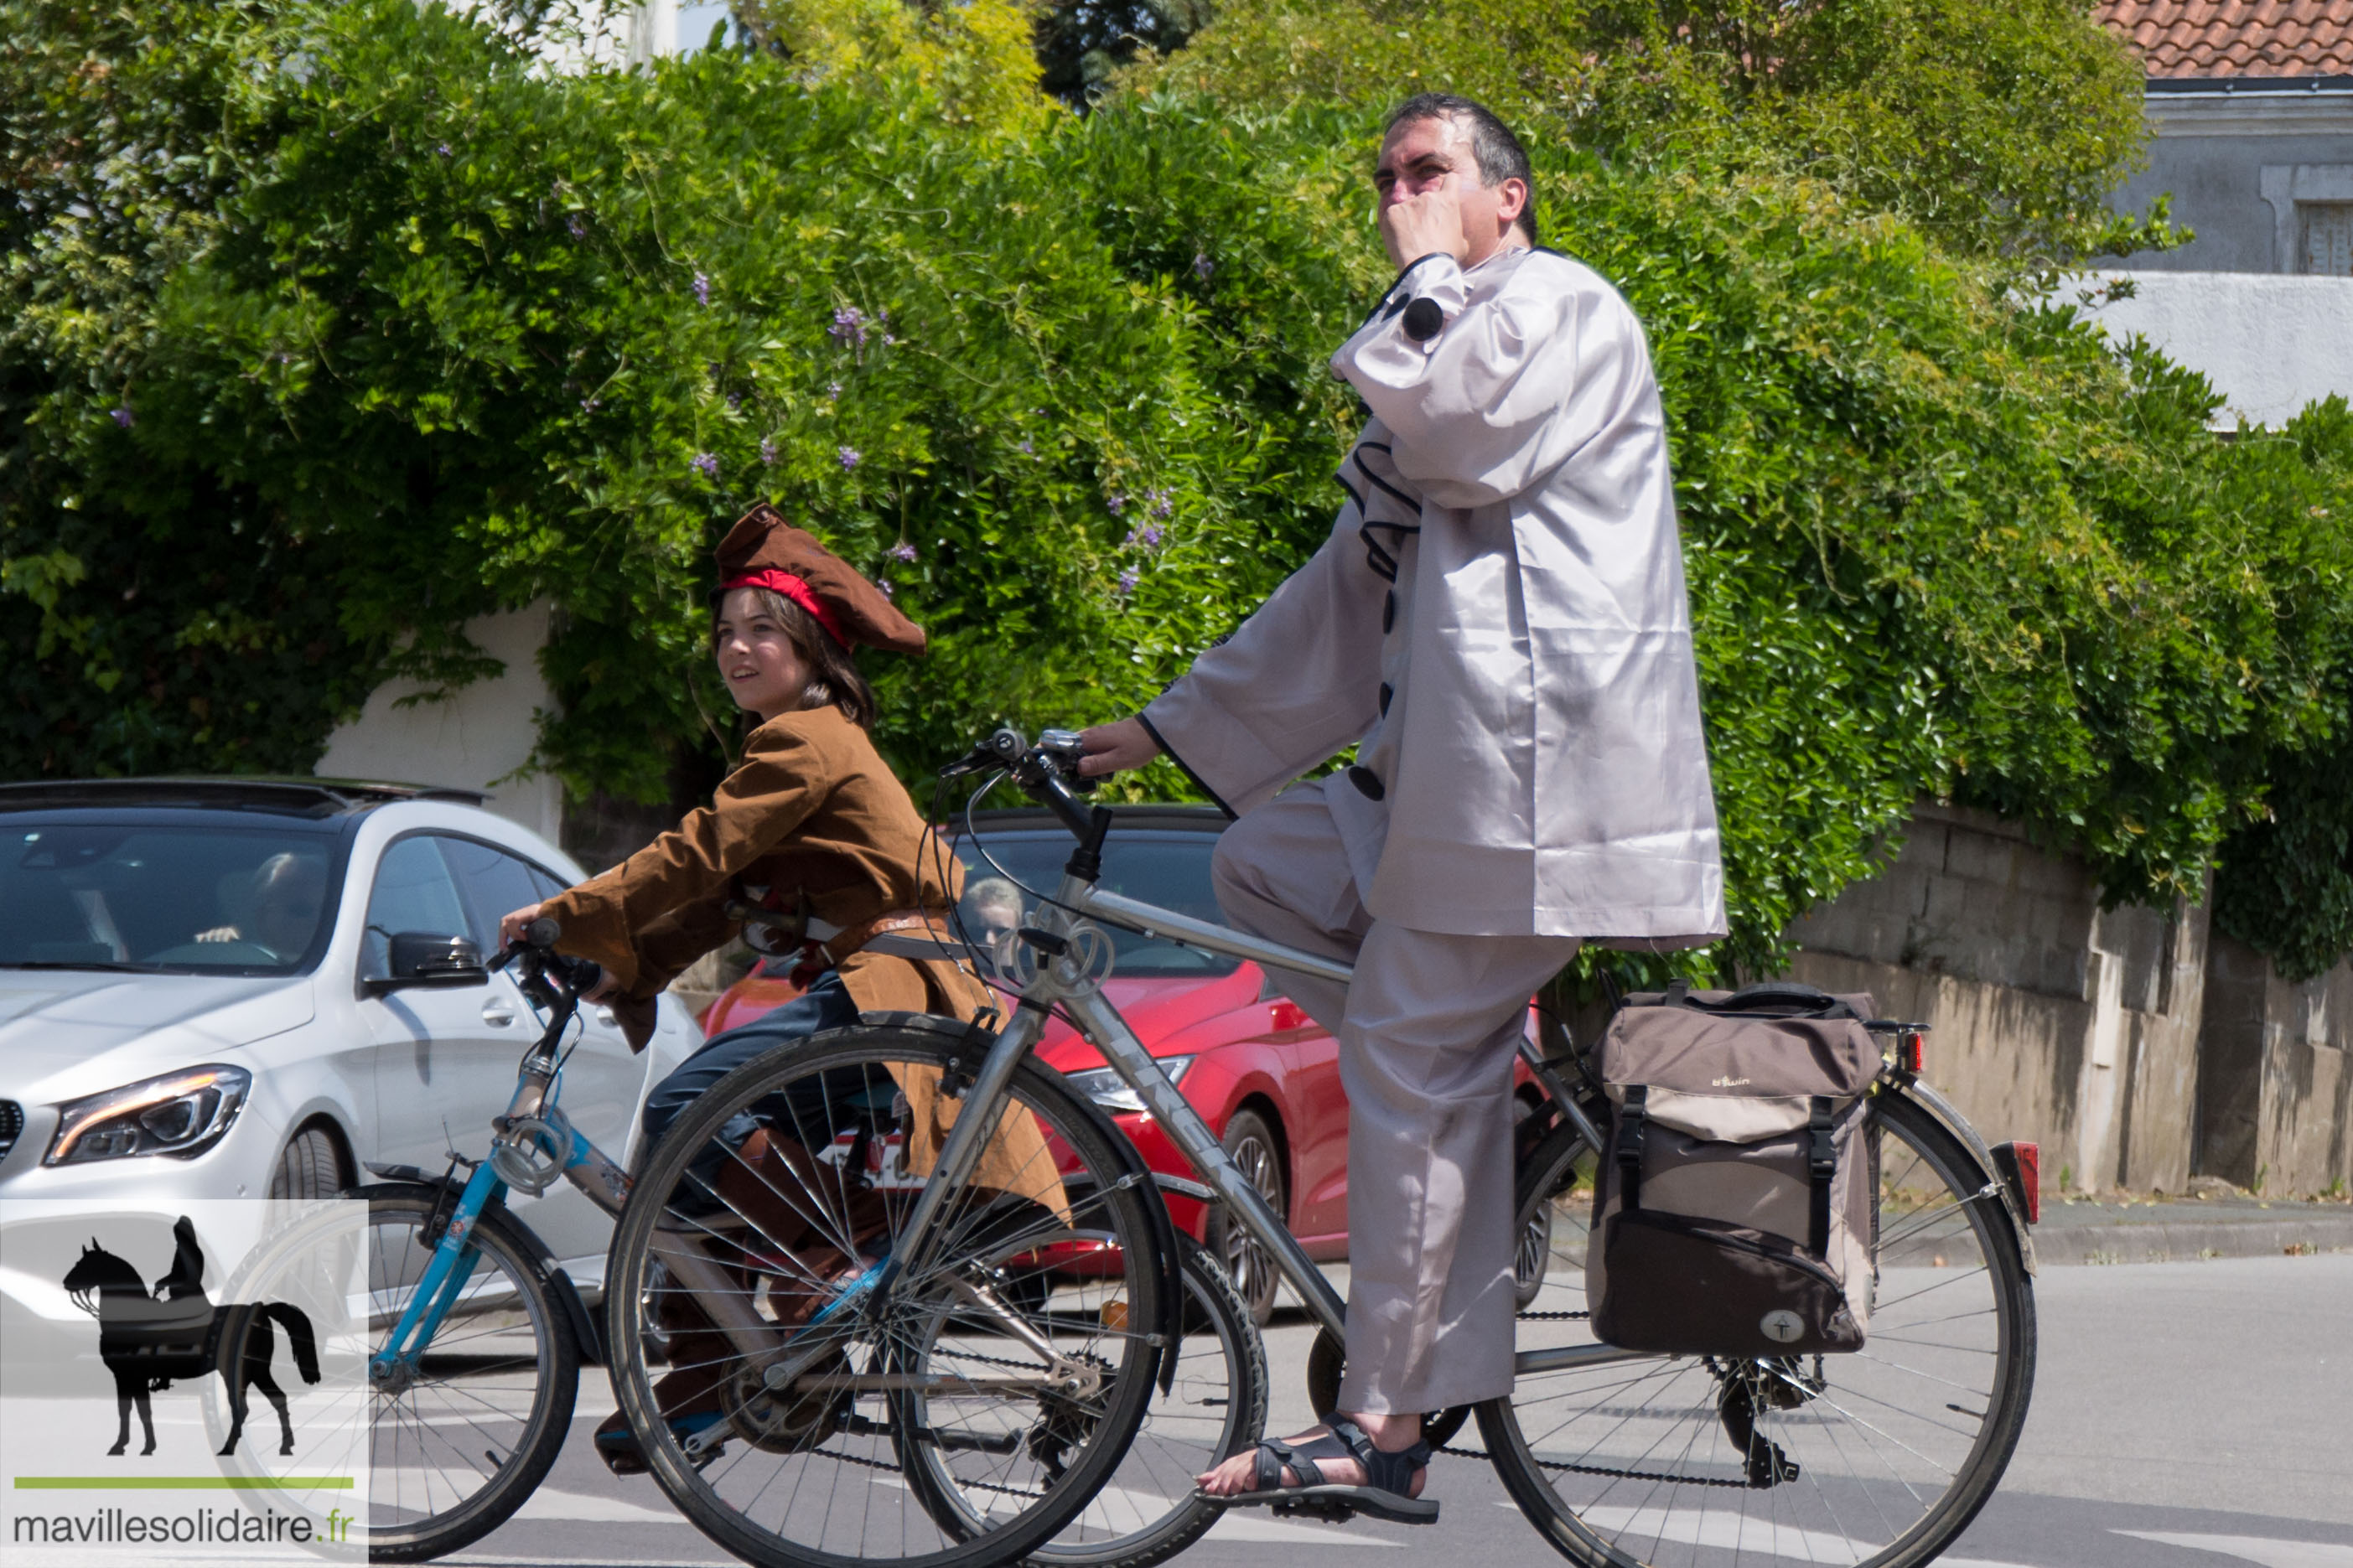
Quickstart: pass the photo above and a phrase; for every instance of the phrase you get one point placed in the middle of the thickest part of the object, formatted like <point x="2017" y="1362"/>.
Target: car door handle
<point x="498" y="1016"/>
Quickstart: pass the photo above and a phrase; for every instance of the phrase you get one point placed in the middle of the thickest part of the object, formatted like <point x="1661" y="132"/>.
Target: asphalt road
<point x="2185" y="1414"/>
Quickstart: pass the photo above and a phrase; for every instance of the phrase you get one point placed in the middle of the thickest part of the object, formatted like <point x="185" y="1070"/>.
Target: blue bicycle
<point x="479" y="1334"/>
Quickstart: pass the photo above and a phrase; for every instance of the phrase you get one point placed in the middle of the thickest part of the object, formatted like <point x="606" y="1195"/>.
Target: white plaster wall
<point x="472" y="741"/>
<point x="2271" y="344"/>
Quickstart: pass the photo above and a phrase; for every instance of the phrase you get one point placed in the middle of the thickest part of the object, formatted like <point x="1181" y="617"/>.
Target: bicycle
<point x="478" y="1336"/>
<point x="969" y="1421"/>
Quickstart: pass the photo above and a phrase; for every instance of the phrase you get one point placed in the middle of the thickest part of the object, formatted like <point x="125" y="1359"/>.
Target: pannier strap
<point x="1781" y="998"/>
<point x="1630" y="1148"/>
<point x="1821" y="1165"/>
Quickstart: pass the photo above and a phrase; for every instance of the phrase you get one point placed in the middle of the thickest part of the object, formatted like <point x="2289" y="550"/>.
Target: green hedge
<point x="406" y="328"/>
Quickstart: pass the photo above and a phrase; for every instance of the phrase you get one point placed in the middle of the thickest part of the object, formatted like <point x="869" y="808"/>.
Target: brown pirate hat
<point x="764" y="551"/>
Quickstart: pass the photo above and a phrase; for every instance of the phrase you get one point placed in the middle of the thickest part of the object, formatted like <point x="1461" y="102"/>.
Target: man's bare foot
<point x="1390" y="1434"/>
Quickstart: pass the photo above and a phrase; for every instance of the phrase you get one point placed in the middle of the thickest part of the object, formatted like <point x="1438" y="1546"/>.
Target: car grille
<point x="12" y="1123"/>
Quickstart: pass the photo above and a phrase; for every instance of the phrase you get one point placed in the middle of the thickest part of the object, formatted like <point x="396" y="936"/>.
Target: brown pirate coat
<point x="812" y="812"/>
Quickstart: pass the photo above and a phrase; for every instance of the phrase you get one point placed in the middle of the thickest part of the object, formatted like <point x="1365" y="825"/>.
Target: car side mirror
<point x="421" y="958"/>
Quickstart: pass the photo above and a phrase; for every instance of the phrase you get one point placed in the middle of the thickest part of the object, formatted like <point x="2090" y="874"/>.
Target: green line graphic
<point x="182" y="1483"/>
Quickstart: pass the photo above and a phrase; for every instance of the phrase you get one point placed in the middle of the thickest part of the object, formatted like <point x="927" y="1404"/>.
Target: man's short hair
<point x="1498" y="153"/>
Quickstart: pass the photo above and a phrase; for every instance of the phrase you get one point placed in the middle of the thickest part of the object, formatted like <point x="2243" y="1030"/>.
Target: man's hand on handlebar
<point x="1116" y="747"/>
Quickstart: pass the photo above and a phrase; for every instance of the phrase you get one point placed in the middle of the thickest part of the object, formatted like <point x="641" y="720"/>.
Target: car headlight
<point x="1106" y="1089"/>
<point x="182" y="1113"/>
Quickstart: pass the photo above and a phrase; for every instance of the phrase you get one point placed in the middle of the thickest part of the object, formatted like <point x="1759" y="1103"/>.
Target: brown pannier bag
<point x="1736" y="1208"/>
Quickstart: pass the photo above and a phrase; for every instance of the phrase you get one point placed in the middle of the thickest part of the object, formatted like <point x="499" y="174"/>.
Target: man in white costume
<point x="1499" y="621"/>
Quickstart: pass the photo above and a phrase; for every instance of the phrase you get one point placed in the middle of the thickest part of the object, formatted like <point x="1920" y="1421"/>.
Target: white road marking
<point x="1760" y="1537"/>
<point x="549" y="1503"/>
<point x="2254" y="1549"/>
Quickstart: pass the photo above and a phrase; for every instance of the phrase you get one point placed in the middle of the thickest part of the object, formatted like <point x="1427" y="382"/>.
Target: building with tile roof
<point x="2251" y="107"/>
<point x="2270" y="41"/>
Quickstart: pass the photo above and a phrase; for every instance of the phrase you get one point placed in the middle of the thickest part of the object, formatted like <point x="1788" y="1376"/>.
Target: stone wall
<point x="2274" y="1096"/>
<point x="2051" y="1019"/>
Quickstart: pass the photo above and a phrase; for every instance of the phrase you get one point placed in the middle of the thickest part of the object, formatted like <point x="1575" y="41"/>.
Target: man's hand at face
<point x="1114" y="748"/>
<point x="1424" y="223"/>
<point x="1427" y="224"/>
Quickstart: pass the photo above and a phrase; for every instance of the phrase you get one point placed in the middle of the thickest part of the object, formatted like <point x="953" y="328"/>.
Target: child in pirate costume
<point x="812" y="824"/>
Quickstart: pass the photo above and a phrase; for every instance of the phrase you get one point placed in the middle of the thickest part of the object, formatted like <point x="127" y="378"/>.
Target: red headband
<point x="797" y="590"/>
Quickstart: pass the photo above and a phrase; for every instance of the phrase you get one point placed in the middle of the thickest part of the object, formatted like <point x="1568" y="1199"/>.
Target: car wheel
<point x="1532" y="1253"/>
<point x="1251" y="1144"/>
<point x="308" y="1169"/>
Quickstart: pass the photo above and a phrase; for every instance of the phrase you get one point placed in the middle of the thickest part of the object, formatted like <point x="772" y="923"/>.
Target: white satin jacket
<point x="1498" y="618"/>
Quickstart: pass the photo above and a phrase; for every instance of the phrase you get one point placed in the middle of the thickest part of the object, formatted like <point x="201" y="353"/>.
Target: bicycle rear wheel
<point x="827" y="1402"/>
<point x="1876" y="1459"/>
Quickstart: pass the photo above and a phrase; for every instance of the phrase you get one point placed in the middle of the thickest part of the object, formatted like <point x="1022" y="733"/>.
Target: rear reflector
<point x="1911" y="1051"/>
<point x="2020" y="1165"/>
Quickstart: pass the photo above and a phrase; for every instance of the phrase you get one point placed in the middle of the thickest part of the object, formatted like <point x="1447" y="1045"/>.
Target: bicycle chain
<point x="1454" y="1453"/>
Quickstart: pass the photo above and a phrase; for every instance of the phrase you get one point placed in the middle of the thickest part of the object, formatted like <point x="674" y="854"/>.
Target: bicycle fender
<point x="1948" y="1117"/>
<point x="585" y="1330"/>
<point x="1169" y="1329"/>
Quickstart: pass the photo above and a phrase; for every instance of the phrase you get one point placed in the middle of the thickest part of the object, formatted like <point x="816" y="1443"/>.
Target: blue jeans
<point x="814" y="1113"/>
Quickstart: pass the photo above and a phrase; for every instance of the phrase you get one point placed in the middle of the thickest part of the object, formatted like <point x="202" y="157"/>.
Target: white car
<point x="199" y="996"/>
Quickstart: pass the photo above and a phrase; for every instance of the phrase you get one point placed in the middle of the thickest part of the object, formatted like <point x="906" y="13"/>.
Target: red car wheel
<point x="1252" y="1146"/>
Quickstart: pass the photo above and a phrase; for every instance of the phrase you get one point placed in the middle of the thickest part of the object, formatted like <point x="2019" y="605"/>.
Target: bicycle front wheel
<point x="460" y="1439"/>
<point x="828" y="1396"/>
<point x="1876" y="1459"/>
<point x="1214" y="1409"/>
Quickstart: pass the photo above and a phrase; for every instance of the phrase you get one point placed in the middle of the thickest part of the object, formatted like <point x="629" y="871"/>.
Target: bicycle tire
<point x="1171" y="1448"/>
<point x="482" y="1351"/>
<point x="767" y="1481"/>
<point x="1631" y="1473"/>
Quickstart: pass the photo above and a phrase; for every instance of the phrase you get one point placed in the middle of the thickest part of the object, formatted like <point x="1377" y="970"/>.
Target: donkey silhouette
<point x="147" y="1339"/>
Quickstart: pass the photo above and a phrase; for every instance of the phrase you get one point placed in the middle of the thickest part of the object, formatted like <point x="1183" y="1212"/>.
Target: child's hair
<point x="834" y="680"/>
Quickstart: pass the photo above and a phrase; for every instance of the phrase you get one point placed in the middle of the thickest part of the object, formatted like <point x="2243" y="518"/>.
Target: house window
<point x="2327" y="248"/>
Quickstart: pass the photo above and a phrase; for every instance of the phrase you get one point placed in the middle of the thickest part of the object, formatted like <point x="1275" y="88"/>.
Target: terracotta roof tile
<point x="2235" y="38"/>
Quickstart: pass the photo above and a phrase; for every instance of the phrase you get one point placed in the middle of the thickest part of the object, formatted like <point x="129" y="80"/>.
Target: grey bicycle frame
<point x="1066" y="979"/>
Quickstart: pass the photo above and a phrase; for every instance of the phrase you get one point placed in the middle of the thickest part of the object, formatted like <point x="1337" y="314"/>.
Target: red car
<point x="1261" y="1073"/>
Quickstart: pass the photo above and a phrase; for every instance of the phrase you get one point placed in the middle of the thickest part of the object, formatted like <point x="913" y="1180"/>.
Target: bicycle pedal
<point x="1328" y="1510"/>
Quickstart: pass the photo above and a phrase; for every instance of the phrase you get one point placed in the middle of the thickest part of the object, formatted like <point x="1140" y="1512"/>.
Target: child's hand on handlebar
<point x="1114" y="748"/>
<point x="510" y="926"/>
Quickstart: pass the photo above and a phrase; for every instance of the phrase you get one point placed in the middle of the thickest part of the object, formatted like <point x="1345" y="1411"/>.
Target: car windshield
<point x="1170" y="870"/>
<point x="236" y="896"/>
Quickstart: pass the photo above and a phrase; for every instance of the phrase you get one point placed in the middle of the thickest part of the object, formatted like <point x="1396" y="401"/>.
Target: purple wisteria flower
<point x="707" y="463"/>
<point x="1116" y="504"/>
<point x="578" y="226"/>
<point x="768" y="452"/>
<point x="1143" y="536"/>
<point x="1162" y="502"/>
<point x="849" y="458"/>
<point x="590" y="405"/>
<point x="701" y="289"/>
<point x="1025" y="447"/>
<point x="1128" y="580"/>
<point x="903" y="551"/>
<point x="122" y="417"/>
<point x="443" y="149"/>
<point x="888" y="590"/>
<point x="734" y="400"/>
<point x="848" y="327"/>
<point x="1203" y="267"/>
<point x="833" y="389"/>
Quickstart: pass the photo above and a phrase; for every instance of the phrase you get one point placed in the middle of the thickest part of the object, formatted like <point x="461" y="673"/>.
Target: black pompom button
<point x="1422" y="320"/>
<point x="1368" y="783"/>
